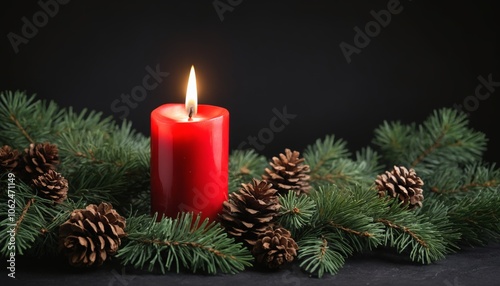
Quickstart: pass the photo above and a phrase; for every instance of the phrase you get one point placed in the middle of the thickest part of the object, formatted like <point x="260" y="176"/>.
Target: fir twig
<point x="436" y="144"/>
<point x="318" y="255"/>
<point x="444" y="138"/>
<point x="413" y="233"/>
<point x="324" y="152"/>
<point x="33" y="214"/>
<point x="23" y="214"/>
<point x="182" y="242"/>
<point x="21" y="128"/>
<point x="244" y="165"/>
<point x="343" y="211"/>
<point x="296" y="212"/>
<point x="404" y="229"/>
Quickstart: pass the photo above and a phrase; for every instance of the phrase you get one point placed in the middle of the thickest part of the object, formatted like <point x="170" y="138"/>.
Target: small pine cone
<point x="40" y="158"/>
<point x="402" y="184"/>
<point x="248" y="211"/>
<point x="52" y="186"/>
<point x="275" y="247"/>
<point x="91" y="235"/>
<point x="288" y="173"/>
<point x="9" y="158"/>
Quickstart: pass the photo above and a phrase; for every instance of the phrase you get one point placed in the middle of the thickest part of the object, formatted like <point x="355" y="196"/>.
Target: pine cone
<point x="9" y="158"/>
<point x="275" y="247"/>
<point x="288" y="173"/>
<point x="403" y="184"/>
<point x="52" y="186"/>
<point x="40" y="158"/>
<point x="91" y="235"/>
<point x="249" y="211"/>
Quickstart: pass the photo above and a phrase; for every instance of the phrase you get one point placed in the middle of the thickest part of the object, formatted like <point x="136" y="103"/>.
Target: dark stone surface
<point x="470" y="266"/>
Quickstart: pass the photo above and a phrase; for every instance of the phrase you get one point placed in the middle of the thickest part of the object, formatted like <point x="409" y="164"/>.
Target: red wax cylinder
<point x="189" y="160"/>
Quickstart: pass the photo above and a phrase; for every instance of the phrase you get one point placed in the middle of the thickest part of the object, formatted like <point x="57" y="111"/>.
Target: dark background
<point x="267" y="55"/>
<point x="264" y="55"/>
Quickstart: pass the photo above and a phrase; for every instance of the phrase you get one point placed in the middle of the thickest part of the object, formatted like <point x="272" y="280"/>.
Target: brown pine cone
<point x="288" y="173"/>
<point x="40" y="158"/>
<point x="275" y="247"/>
<point x="9" y="158"/>
<point x="91" y="235"/>
<point x="249" y="211"/>
<point x="402" y="184"/>
<point x="52" y="186"/>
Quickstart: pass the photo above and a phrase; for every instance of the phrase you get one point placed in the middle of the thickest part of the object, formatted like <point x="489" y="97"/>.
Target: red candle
<point x="189" y="157"/>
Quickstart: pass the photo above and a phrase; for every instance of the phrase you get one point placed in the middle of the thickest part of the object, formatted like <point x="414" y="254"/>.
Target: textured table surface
<point x="470" y="266"/>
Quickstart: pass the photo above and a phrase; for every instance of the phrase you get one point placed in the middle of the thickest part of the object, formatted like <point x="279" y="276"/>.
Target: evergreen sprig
<point x="337" y="229"/>
<point x="296" y="212"/>
<point x="413" y="234"/>
<point x="321" y="255"/>
<point x="102" y="160"/>
<point x="33" y="222"/>
<point x="182" y="243"/>
<point x="444" y="138"/>
<point x="330" y="163"/>
<point x="244" y="165"/>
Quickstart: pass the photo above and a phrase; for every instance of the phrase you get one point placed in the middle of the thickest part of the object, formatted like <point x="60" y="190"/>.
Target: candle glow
<point x="192" y="95"/>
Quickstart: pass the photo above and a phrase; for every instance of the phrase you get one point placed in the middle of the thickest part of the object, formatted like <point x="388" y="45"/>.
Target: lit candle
<point x="189" y="157"/>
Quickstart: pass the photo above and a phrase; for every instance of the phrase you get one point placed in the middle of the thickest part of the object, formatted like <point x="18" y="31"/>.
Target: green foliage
<point x="477" y="217"/>
<point x="102" y="160"/>
<point x="415" y="234"/>
<point x="33" y="221"/>
<point x="447" y="155"/>
<point x="108" y="161"/>
<point x="320" y="255"/>
<point x="296" y="212"/>
<point x="25" y="119"/>
<point x="340" y="210"/>
<point x="330" y="163"/>
<point x="182" y="242"/>
<point x="244" y="165"/>
<point x="443" y="139"/>
<point x="337" y="229"/>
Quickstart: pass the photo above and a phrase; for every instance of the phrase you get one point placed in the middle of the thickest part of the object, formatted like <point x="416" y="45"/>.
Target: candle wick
<point x="190" y="112"/>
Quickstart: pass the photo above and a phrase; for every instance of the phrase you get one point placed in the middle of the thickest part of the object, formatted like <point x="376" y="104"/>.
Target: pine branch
<point x="244" y="165"/>
<point x="32" y="215"/>
<point x="182" y="242"/>
<point x="296" y="212"/>
<point x="21" y="128"/>
<point x="324" y="152"/>
<point x="369" y="161"/>
<point x="319" y="255"/>
<point x="444" y="138"/>
<point x="393" y="139"/>
<point x="47" y="243"/>
<point x="27" y="120"/>
<point x="330" y="164"/>
<point x="473" y="177"/>
<point x="415" y="234"/>
<point x="436" y="213"/>
<point x="339" y="210"/>
<point x="102" y="160"/>
<point x="476" y="216"/>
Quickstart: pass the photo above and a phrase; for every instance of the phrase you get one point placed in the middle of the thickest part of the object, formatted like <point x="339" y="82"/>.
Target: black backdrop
<point x="253" y="57"/>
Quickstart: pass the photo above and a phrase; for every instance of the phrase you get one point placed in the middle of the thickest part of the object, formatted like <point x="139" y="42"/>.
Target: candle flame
<point x="192" y="94"/>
